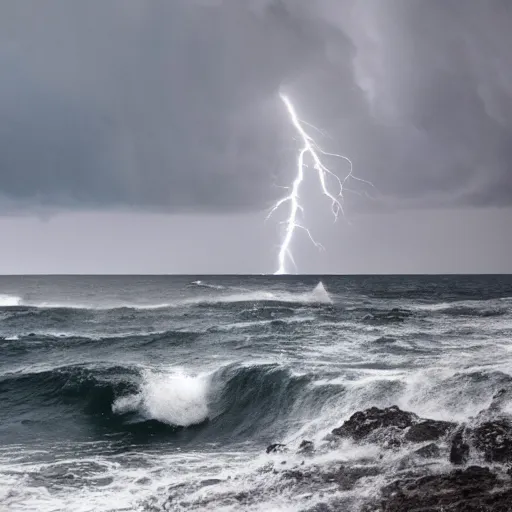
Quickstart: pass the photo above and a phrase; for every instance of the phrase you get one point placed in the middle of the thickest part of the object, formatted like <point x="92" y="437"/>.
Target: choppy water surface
<point x="161" y="393"/>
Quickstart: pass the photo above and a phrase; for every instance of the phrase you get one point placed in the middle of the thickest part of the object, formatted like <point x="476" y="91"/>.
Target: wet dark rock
<point x="306" y="447"/>
<point x="419" y="487"/>
<point x="428" y="430"/>
<point x="320" y="507"/>
<point x="470" y="490"/>
<point x="494" y="440"/>
<point x="242" y="497"/>
<point x="391" y="428"/>
<point x="276" y="448"/>
<point x="500" y="398"/>
<point x="430" y="451"/>
<point x="459" y="451"/>
<point x="391" y="438"/>
<point x="296" y="474"/>
<point x="362" y="423"/>
<point x="345" y="477"/>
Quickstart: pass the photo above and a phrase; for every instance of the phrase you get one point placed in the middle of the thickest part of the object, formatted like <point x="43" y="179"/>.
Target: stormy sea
<point x="255" y="393"/>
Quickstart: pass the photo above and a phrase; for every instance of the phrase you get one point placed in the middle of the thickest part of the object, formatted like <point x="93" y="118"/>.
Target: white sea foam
<point x="9" y="300"/>
<point x="440" y="392"/>
<point x="471" y="304"/>
<point x="256" y="323"/>
<point x="132" y="483"/>
<point x="84" y="335"/>
<point x="434" y="380"/>
<point x="98" y="307"/>
<point x="318" y="295"/>
<point x="202" y="284"/>
<point x="174" y="398"/>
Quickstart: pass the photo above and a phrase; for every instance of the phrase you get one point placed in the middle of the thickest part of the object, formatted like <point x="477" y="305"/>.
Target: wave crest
<point x="176" y="399"/>
<point x="94" y="388"/>
<point x="318" y="295"/>
<point x="202" y="284"/>
<point x="9" y="300"/>
<point x="231" y="402"/>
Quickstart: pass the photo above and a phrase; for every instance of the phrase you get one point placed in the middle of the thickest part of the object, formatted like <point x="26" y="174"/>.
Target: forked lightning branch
<point x="313" y="152"/>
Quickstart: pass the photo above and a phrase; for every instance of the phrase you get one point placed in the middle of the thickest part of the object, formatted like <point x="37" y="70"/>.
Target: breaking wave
<point x="202" y="284"/>
<point x="317" y="296"/>
<point x="467" y="308"/>
<point x="9" y="300"/>
<point x="175" y="399"/>
<point x="193" y="388"/>
<point x="233" y="402"/>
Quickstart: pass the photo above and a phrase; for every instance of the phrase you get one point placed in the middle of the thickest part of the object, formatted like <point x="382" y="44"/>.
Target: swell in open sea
<point x="163" y="393"/>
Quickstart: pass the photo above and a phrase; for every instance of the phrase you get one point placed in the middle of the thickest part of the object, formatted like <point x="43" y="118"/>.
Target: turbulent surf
<point x="249" y="393"/>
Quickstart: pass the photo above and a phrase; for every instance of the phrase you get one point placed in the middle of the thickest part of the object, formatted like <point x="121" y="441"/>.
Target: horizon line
<point x="253" y="274"/>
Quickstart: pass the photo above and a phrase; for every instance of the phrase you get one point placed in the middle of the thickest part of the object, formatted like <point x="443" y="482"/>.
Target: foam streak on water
<point x="162" y="393"/>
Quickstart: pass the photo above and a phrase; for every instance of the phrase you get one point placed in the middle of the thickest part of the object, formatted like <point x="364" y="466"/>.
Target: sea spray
<point x="9" y="300"/>
<point x="173" y="398"/>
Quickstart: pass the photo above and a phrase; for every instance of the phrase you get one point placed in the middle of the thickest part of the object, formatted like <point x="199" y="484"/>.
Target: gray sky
<point x="150" y="137"/>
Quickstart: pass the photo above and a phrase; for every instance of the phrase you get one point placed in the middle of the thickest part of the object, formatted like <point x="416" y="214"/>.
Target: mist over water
<point x="162" y="393"/>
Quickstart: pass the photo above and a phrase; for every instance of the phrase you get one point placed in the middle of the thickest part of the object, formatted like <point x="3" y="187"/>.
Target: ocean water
<point x="162" y="393"/>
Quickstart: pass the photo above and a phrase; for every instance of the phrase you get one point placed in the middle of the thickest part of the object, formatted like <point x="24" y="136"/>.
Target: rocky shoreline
<point x="476" y="474"/>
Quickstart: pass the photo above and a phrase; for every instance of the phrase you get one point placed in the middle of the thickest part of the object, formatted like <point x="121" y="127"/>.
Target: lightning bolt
<point x="312" y="150"/>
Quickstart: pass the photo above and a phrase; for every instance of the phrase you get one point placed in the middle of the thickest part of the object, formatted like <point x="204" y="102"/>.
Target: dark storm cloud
<point x="174" y="105"/>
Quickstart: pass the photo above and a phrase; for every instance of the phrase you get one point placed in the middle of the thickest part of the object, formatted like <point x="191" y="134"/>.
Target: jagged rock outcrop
<point x="306" y="447"/>
<point x="420" y="488"/>
<point x="428" y="430"/>
<point x="363" y="423"/>
<point x="469" y="490"/>
<point x="391" y="427"/>
<point x="276" y="448"/>
<point x="429" y="451"/>
<point x="494" y="440"/>
<point x="459" y="451"/>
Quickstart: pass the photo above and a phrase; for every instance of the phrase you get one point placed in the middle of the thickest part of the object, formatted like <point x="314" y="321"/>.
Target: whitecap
<point x="202" y="284"/>
<point x="9" y="300"/>
<point x="318" y="295"/>
<point x="175" y="398"/>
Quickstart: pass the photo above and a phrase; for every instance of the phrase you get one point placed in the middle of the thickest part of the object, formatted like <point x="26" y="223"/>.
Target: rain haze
<point x="149" y="137"/>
